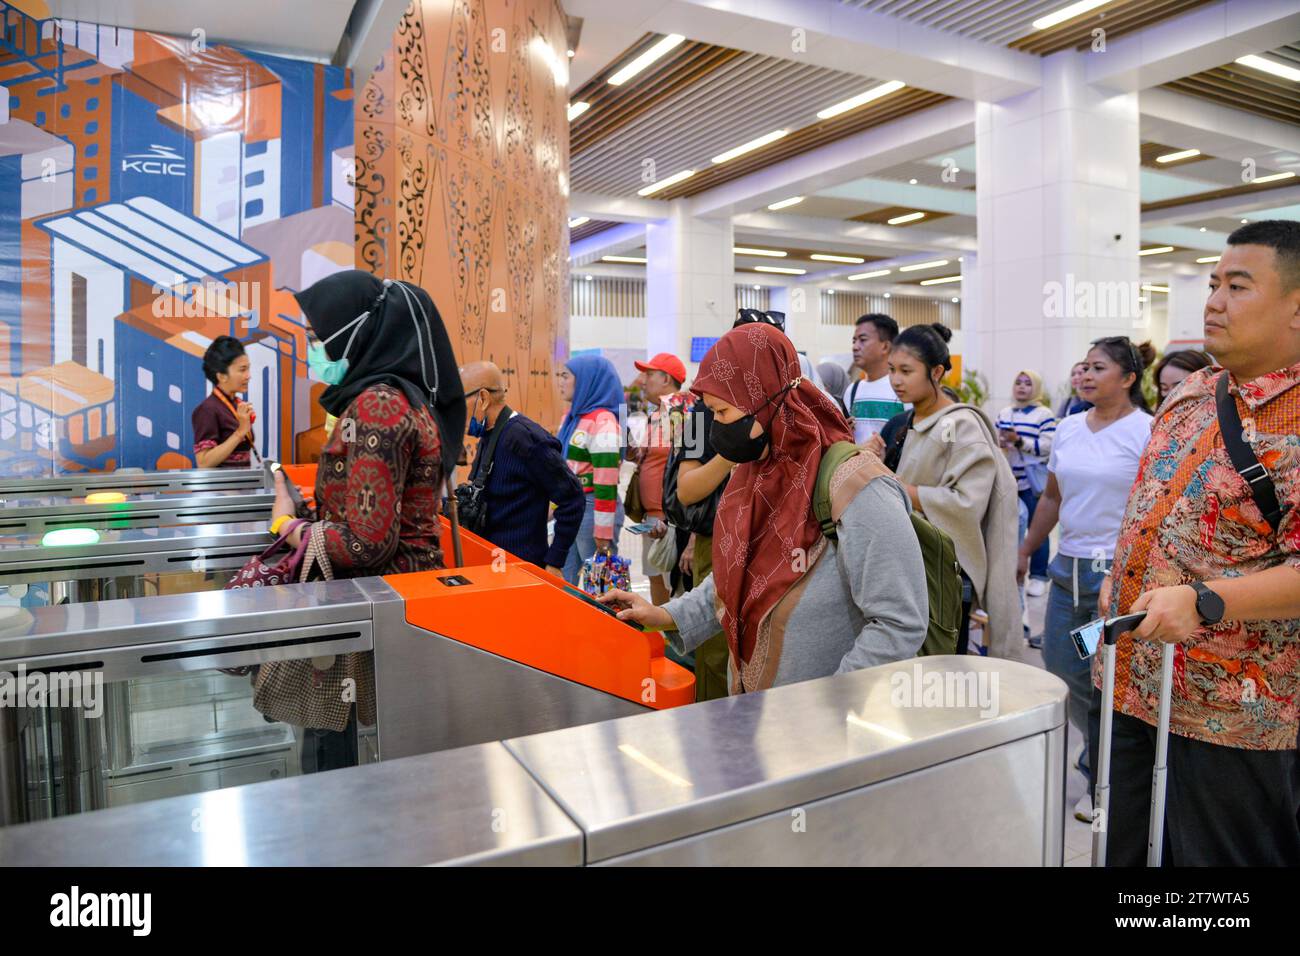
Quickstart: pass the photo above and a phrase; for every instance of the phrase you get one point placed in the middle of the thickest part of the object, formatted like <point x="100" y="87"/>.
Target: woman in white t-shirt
<point x="1093" y="464"/>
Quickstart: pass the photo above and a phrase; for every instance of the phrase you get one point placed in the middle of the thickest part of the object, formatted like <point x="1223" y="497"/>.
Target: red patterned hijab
<point x="766" y="514"/>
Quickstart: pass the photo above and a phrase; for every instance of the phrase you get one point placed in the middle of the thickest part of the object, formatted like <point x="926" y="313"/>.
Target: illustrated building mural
<point x="155" y="193"/>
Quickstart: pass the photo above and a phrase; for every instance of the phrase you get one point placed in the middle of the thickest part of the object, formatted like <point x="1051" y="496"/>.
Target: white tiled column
<point x="1187" y="295"/>
<point x="1058" y="201"/>
<point x="802" y="307"/>
<point x="690" y="282"/>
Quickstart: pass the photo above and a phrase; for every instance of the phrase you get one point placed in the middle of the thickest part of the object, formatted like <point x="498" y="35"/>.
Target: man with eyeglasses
<point x="522" y="472"/>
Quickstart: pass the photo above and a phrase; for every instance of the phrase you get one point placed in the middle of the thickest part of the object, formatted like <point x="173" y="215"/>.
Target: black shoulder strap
<point x="1243" y="456"/>
<point x="853" y="394"/>
<point x="483" y="462"/>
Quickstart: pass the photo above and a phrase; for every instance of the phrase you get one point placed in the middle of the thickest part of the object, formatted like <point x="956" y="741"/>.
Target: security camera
<point x="1119" y="236"/>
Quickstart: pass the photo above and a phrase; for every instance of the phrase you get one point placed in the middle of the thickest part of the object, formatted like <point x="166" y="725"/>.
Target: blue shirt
<point x="528" y="475"/>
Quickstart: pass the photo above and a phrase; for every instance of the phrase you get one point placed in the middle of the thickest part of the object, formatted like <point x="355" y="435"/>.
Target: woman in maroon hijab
<point x="793" y="604"/>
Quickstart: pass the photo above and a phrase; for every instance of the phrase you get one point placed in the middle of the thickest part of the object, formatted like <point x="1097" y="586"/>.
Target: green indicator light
<point x="67" y="536"/>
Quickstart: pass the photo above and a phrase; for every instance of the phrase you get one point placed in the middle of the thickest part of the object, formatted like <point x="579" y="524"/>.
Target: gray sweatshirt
<point x="866" y="601"/>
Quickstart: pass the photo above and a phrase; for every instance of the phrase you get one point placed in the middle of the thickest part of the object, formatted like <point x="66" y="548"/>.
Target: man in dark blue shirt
<point x="527" y="474"/>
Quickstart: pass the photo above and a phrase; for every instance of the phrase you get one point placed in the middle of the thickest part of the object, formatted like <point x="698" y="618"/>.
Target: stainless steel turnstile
<point x="156" y="657"/>
<point x="150" y="510"/>
<point x="937" y="761"/>
<point x="80" y="484"/>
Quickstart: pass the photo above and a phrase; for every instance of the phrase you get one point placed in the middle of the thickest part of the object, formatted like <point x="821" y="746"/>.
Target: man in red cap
<point x="660" y="381"/>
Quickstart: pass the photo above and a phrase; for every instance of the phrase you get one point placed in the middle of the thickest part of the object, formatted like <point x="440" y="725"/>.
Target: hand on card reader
<point x="612" y="612"/>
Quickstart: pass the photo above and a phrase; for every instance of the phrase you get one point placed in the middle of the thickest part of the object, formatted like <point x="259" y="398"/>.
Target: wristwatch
<point x="1208" y="604"/>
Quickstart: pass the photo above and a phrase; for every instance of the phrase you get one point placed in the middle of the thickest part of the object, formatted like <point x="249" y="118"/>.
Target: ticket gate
<point x="936" y="761"/>
<point x="134" y="481"/>
<point x="461" y="656"/>
<point x="149" y="510"/>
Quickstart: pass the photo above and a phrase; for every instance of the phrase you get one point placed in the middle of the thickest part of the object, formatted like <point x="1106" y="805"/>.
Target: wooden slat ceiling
<point x="885" y="110"/>
<point x="589" y="228"/>
<point x="1116" y="18"/>
<point x="1149" y="152"/>
<point x="1243" y="88"/>
<point x="1010" y="22"/>
<point x="881" y="217"/>
<point x="700" y="100"/>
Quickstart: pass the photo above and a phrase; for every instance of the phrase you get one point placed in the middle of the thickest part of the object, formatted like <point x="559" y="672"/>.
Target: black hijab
<point x="388" y="349"/>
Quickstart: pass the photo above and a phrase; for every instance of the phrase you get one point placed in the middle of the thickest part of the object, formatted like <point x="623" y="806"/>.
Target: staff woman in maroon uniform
<point x="223" y="423"/>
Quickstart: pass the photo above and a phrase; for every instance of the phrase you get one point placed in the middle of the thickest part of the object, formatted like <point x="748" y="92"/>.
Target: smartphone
<point x="1087" y="637"/>
<point x="641" y="528"/>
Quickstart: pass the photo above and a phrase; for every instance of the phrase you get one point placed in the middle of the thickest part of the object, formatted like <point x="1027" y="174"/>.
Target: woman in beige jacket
<point x="956" y="476"/>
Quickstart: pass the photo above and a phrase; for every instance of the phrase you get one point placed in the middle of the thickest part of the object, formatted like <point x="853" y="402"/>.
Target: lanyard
<point x="225" y="401"/>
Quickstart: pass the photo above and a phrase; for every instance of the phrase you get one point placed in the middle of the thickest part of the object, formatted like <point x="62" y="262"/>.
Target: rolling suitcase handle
<point x="1160" y="771"/>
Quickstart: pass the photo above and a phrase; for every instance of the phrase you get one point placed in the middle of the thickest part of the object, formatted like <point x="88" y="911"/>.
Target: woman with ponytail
<point x="957" y="477"/>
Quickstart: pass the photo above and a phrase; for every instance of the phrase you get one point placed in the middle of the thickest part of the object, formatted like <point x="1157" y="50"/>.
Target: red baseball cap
<point x="665" y="362"/>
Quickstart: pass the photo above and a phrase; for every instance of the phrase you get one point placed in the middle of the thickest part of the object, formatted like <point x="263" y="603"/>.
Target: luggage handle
<point x="1159" y="771"/>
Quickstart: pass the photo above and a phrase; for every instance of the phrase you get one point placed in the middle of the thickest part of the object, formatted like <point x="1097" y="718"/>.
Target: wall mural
<point x="159" y="193"/>
<point x="462" y="165"/>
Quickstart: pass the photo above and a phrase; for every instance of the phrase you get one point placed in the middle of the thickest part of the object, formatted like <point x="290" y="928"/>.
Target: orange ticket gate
<point x="489" y="651"/>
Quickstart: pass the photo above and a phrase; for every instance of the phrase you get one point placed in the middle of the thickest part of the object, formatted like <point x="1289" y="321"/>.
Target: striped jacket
<point x="593" y="455"/>
<point x="1036" y="426"/>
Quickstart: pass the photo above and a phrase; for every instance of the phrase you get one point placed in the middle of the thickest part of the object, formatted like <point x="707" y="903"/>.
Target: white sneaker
<point x="1083" y="809"/>
<point x="1035" y="587"/>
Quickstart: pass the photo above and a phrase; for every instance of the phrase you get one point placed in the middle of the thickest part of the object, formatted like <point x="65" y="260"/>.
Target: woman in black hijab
<point x="394" y="386"/>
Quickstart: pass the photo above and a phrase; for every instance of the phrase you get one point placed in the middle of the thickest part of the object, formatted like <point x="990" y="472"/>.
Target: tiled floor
<point x="1078" y="836"/>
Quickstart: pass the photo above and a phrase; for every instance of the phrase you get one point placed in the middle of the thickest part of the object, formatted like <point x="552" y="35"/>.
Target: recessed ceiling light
<point x="869" y="275"/>
<point x="1243" y="222"/>
<point x="910" y="217"/>
<point x="941" y="281"/>
<point x="830" y="291"/>
<point x="1067" y="13"/>
<point x="635" y="260"/>
<point x="749" y="147"/>
<point x="955" y="299"/>
<point x="758" y="287"/>
<point x="748" y="251"/>
<point x="570" y="54"/>
<point x="959" y="258"/>
<point x="923" y="265"/>
<point x="1269" y="66"/>
<point x="826" y="257"/>
<point x="1155" y="288"/>
<point x="577" y="109"/>
<point x="665" y="183"/>
<point x="1175" y="157"/>
<point x="781" y="269"/>
<point x="886" y="295"/>
<point x="875" y="93"/>
<point x="581" y="220"/>
<point x="1273" y="178"/>
<point x="1205" y="259"/>
<point x="911" y="182"/>
<point x="792" y="201"/>
<point x="1155" y="250"/>
<point x="645" y="59"/>
<point x="1202" y="229"/>
<point x="588" y="278"/>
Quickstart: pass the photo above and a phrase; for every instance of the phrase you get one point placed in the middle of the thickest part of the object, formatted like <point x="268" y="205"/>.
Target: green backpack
<point x="942" y="572"/>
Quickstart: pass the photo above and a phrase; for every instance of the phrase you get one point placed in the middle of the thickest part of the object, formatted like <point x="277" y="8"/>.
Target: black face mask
<point x="733" y="442"/>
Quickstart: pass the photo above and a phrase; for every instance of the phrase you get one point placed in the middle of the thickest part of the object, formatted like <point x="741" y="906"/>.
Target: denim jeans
<point x="1064" y="614"/>
<point x="584" y="545"/>
<point x="1038" y="560"/>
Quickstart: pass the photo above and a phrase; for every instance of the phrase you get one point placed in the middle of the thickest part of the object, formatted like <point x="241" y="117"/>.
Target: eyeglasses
<point x="749" y="316"/>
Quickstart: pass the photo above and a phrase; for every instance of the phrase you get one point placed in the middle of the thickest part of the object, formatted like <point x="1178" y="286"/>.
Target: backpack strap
<point x="853" y="395"/>
<point x="1243" y="456"/>
<point x="861" y="471"/>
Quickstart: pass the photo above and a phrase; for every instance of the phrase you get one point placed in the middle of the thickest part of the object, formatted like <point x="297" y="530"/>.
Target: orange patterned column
<point x="462" y="145"/>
